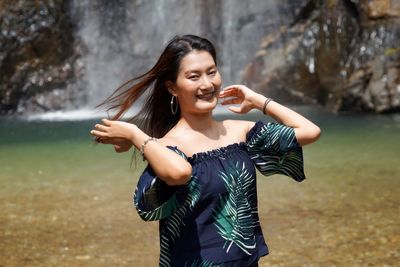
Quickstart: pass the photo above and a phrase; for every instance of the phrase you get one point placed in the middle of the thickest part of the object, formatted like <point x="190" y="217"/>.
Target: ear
<point x="171" y="88"/>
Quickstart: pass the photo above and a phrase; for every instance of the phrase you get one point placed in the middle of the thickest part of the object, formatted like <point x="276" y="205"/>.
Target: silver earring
<point x="172" y="104"/>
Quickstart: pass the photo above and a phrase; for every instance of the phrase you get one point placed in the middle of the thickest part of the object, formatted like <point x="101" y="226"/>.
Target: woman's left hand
<point x="120" y="145"/>
<point x="240" y="95"/>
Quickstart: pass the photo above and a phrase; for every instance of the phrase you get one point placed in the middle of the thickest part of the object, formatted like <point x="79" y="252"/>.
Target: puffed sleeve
<point x="156" y="200"/>
<point x="274" y="149"/>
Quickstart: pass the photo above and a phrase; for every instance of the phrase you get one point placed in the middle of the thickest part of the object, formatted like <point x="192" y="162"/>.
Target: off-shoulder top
<point x="212" y="220"/>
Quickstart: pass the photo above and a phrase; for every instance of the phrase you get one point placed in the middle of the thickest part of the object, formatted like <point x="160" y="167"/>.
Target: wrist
<point x="137" y="136"/>
<point x="264" y="108"/>
<point x="144" y="145"/>
<point x="258" y="101"/>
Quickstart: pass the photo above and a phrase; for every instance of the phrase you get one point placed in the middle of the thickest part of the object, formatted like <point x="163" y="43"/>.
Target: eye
<point x="193" y="77"/>
<point x="212" y="73"/>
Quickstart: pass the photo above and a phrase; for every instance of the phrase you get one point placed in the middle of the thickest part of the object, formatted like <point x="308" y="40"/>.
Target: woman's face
<point x="198" y="82"/>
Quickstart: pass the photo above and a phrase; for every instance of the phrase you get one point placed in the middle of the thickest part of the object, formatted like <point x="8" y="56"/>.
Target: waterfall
<point x="124" y="38"/>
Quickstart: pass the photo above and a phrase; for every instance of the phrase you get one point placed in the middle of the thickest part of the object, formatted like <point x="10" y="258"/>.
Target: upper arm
<point x="307" y="135"/>
<point x="304" y="135"/>
<point x="250" y="124"/>
<point x="274" y="150"/>
<point x="173" y="170"/>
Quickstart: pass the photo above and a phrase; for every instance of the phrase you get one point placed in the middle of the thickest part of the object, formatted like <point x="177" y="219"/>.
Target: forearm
<point x="280" y="113"/>
<point x="168" y="165"/>
<point x="306" y="131"/>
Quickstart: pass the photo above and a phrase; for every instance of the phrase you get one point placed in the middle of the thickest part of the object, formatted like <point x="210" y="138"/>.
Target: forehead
<point x="196" y="60"/>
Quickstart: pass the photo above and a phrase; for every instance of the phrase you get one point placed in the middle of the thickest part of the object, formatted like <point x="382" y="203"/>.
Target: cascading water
<point x="124" y="38"/>
<point x="121" y="40"/>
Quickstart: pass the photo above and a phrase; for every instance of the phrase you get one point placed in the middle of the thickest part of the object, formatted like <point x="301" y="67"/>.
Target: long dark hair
<point x="155" y="117"/>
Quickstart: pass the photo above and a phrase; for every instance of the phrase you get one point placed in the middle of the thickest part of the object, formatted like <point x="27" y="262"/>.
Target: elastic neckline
<point x="217" y="152"/>
<point x="212" y="153"/>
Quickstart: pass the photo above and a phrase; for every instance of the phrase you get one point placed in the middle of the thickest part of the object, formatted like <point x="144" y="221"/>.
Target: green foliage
<point x="233" y="216"/>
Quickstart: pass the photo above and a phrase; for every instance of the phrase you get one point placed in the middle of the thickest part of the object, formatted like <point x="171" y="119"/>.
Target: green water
<point x="363" y="145"/>
<point x="65" y="199"/>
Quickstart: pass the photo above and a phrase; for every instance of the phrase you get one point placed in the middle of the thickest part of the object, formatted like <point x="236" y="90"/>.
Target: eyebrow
<point x="197" y="71"/>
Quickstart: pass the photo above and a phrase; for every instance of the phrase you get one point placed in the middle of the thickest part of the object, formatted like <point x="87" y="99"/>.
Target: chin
<point x="206" y="108"/>
<point x="212" y="104"/>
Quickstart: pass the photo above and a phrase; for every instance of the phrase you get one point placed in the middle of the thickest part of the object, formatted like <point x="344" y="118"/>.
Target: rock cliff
<point x="39" y="57"/>
<point x="63" y="55"/>
<point x="344" y="55"/>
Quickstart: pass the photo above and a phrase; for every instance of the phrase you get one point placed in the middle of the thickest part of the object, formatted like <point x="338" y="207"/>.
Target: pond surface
<point x="65" y="201"/>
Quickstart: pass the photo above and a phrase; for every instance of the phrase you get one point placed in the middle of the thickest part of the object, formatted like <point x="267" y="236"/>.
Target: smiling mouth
<point x="207" y="96"/>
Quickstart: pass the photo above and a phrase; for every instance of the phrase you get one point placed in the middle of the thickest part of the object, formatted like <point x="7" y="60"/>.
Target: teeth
<point x="206" y="95"/>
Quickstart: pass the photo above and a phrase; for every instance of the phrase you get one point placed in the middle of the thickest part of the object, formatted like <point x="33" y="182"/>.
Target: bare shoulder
<point x="167" y="141"/>
<point x="243" y="125"/>
<point x="171" y="139"/>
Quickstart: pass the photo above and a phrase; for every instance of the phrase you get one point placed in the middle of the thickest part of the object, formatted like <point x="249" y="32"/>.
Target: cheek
<point x="218" y="80"/>
<point x="186" y="89"/>
<point x="183" y="84"/>
<point x="186" y="85"/>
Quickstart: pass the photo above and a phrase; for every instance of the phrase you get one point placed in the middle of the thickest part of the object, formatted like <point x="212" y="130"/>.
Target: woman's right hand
<point x="118" y="133"/>
<point x="173" y="168"/>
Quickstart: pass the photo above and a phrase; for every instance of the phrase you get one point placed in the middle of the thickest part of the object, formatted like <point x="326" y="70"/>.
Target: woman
<point x="200" y="181"/>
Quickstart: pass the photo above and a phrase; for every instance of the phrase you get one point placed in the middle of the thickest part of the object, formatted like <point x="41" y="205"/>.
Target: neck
<point x="197" y="122"/>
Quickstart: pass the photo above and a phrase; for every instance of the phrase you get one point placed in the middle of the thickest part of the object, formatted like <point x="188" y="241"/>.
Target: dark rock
<point x="393" y="85"/>
<point x="338" y="55"/>
<point x="38" y="54"/>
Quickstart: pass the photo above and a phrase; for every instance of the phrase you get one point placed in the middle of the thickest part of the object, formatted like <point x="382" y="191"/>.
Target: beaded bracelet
<point x="265" y="104"/>
<point x="145" y="143"/>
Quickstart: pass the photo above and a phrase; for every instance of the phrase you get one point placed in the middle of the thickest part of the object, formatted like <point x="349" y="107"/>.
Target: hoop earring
<point x="172" y="104"/>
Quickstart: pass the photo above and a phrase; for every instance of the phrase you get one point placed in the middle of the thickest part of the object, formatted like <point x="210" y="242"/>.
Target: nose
<point x="206" y="82"/>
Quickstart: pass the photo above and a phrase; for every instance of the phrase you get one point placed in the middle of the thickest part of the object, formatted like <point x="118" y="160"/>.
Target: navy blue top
<point x="212" y="220"/>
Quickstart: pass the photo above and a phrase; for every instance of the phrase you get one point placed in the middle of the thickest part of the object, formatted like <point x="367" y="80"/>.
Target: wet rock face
<point x="378" y="9"/>
<point x="45" y="65"/>
<point x="344" y="55"/>
<point x="38" y="56"/>
<point x="125" y="38"/>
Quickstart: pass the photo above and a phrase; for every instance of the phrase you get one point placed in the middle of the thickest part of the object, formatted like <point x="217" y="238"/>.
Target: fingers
<point x="98" y="133"/>
<point x="231" y="101"/>
<point x="233" y="86"/>
<point x="106" y="121"/>
<point x="235" y="109"/>
<point x="101" y="127"/>
<point x="235" y="90"/>
<point x="228" y="92"/>
<point x="106" y="141"/>
<point x="100" y="130"/>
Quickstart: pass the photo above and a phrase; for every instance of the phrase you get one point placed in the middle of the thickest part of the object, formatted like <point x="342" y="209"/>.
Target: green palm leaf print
<point x="275" y="150"/>
<point x="233" y="217"/>
<point x="174" y="222"/>
<point x="160" y="212"/>
<point x="202" y="264"/>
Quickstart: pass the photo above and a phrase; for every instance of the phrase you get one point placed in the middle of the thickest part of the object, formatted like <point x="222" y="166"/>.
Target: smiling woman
<point x="197" y="84"/>
<point x="200" y="181"/>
